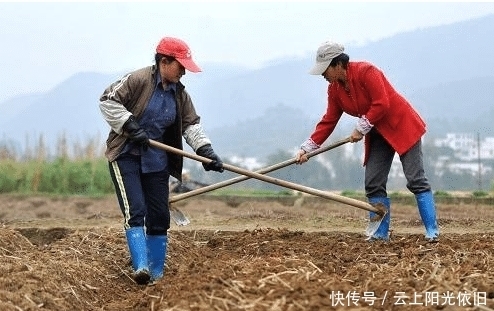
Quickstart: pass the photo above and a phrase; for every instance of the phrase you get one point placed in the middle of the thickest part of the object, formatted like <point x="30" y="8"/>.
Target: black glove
<point x="135" y="133"/>
<point x="208" y="152"/>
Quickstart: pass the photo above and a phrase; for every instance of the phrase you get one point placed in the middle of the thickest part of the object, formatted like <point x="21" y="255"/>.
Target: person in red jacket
<point x="387" y="121"/>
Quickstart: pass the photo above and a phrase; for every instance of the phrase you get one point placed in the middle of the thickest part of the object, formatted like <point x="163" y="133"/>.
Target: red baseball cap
<point x="178" y="49"/>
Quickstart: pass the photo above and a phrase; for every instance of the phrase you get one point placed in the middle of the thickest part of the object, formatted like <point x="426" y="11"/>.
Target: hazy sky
<point x="44" y="43"/>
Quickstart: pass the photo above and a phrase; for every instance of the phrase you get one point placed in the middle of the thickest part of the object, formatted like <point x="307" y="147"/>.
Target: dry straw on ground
<point x="255" y="256"/>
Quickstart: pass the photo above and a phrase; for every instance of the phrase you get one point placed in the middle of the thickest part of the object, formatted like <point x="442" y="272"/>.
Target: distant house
<point x="466" y="146"/>
<point x="444" y="164"/>
<point x="456" y="141"/>
<point x="467" y="159"/>
<point x="250" y="163"/>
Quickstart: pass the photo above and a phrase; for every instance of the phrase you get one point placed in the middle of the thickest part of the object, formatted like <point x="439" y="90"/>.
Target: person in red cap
<point x="151" y="103"/>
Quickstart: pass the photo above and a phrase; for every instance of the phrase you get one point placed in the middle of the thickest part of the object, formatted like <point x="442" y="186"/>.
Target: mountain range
<point x="447" y="73"/>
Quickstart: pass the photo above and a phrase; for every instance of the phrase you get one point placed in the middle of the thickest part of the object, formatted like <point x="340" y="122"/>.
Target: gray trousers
<point x="379" y="164"/>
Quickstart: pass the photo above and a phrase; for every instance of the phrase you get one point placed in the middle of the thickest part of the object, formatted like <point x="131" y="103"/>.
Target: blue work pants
<point x="143" y="197"/>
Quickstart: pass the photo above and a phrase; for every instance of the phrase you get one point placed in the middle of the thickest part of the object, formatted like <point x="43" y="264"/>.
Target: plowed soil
<point x="70" y="254"/>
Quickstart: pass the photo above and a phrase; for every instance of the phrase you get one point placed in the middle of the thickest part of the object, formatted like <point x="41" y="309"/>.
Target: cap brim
<point x="189" y="65"/>
<point x="319" y="68"/>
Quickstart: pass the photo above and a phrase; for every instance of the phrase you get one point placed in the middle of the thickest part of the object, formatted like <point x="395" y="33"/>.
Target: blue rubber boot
<point x="156" y="248"/>
<point x="136" y="240"/>
<point x="382" y="232"/>
<point x="427" y="211"/>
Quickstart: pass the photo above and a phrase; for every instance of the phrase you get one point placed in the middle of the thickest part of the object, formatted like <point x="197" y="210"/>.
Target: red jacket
<point x="371" y="95"/>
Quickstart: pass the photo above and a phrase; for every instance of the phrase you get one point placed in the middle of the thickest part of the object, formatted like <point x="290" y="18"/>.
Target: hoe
<point x="180" y="218"/>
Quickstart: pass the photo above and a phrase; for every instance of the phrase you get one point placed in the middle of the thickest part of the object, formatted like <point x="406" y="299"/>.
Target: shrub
<point x="441" y="193"/>
<point x="9" y="178"/>
<point x="480" y="194"/>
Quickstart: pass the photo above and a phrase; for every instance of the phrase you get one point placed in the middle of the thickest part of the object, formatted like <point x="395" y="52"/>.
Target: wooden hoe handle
<point x="272" y="180"/>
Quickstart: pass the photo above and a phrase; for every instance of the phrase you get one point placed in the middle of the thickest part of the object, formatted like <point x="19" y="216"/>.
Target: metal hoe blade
<point x="376" y="220"/>
<point x="178" y="217"/>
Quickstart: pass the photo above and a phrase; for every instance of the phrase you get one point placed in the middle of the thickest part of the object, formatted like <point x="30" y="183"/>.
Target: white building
<point x="456" y="141"/>
<point x="466" y="146"/>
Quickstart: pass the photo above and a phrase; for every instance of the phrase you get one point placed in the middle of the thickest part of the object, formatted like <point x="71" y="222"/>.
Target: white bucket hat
<point x="325" y="54"/>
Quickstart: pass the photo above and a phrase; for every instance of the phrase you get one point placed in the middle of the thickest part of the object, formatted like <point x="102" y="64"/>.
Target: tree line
<point x="81" y="168"/>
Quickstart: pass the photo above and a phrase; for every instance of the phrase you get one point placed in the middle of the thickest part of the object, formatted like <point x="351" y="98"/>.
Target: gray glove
<point x="208" y="152"/>
<point x="135" y="132"/>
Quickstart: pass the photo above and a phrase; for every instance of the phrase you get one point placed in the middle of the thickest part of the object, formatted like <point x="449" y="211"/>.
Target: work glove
<point x="208" y="152"/>
<point x="135" y="133"/>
